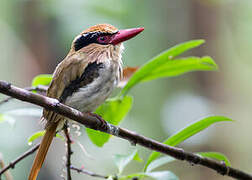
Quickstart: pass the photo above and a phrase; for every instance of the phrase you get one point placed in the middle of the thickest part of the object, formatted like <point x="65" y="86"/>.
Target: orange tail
<point x="42" y="151"/>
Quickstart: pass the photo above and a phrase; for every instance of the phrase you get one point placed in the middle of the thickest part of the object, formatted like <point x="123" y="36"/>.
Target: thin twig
<point x="39" y="88"/>
<point x="7" y="173"/>
<point x="13" y="163"/>
<point x="68" y="153"/>
<point x="96" y="123"/>
<point x="89" y="173"/>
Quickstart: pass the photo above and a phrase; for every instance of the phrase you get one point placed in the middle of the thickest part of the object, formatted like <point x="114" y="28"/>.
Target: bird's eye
<point x="103" y="39"/>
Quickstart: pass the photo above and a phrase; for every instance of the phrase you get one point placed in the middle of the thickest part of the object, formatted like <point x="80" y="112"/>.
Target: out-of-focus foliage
<point x="163" y="65"/>
<point x="42" y="79"/>
<point x="113" y="111"/>
<point x="122" y="161"/>
<point x="40" y="134"/>
<point x="35" y="36"/>
<point x="215" y="155"/>
<point x="188" y="132"/>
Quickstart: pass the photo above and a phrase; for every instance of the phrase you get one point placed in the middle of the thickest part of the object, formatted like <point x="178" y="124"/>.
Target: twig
<point x="13" y="163"/>
<point x="89" y="173"/>
<point x="7" y="173"/>
<point x="96" y="123"/>
<point x="39" y="88"/>
<point x="68" y="153"/>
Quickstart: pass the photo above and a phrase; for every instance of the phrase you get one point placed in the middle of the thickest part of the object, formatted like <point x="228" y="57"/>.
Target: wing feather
<point x="68" y="70"/>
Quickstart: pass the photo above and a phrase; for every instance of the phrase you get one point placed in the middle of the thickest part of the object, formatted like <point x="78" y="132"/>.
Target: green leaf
<point x="42" y="79"/>
<point x="2" y="118"/>
<point x="38" y="134"/>
<point x="186" y="133"/>
<point x="167" y="159"/>
<point x="158" y="62"/>
<point x="216" y="156"/>
<point x="180" y="66"/>
<point x="158" y="175"/>
<point x="113" y="111"/>
<point x="134" y="175"/>
<point x="137" y="158"/>
<point x="35" y="136"/>
<point x="159" y="162"/>
<point x="122" y="161"/>
<point x="162" y="175"/>
<point x="110" y="178"/>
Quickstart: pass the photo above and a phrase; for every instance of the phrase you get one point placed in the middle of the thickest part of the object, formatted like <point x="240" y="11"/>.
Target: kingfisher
<point x="84" y="79"/>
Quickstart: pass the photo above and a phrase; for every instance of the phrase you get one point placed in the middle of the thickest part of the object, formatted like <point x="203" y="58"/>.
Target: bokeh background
<point x="36" y="35"/>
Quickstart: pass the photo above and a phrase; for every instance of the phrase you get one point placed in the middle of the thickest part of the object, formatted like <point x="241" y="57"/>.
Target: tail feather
<point x="42" y="151"/>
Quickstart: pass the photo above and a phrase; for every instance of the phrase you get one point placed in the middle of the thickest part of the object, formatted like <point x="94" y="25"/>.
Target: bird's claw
<point x="103" y="122"/>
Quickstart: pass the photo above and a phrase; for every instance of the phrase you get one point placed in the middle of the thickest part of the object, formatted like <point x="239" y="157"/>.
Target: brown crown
<point x="106" y="28"/>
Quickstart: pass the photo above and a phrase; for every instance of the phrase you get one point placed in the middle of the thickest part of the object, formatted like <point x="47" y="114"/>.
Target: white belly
<point x="89" y="97"/>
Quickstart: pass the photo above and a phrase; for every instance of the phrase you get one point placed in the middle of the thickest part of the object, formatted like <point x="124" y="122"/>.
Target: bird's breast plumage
<point x="84" y="79"/>
<point x="91" y="89"/>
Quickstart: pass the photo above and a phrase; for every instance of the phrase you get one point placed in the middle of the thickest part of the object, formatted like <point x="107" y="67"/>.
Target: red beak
<point x="125" y="34"/>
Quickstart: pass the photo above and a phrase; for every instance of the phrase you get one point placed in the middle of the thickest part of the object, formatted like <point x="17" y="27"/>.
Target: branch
<point x="89" y="173"/>
<point x="68" y="153"/>
<point x="95" y="123"/>
<point x="38" y="88"/>
<point x="13" y="163"/>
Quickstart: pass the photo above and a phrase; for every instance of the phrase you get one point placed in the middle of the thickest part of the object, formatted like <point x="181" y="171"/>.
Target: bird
<point x="84" y="78"/>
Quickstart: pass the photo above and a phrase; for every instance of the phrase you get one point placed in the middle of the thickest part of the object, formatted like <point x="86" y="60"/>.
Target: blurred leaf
<point x="158" y="175"/>
<point x="186" y="133"/>
<point x="8" y="119"/>
<point x="159" y="61"/>
<point x="25" y="112"/>
<point x="113" y="111"/>
<point x="38" y="134"/>
<point x="42" y="79"/>
<point x="167" y="159"/>
<point x="35" y="136"/>
<point x="137" y="158"/>
<point x="110" y="178"/>
<point x="134" y="175"/>
<point x="122" y="161"/>
<point x="159" y="162"/>
<point x="180" y="66"/>
<point x="162" y="175"/>
<point x="216" y="156"/>
<point x="2" y="118"/>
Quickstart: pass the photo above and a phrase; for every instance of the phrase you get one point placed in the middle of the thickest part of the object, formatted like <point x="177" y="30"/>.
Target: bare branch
<point x="38" y="88"/>
<point x="89" y="173"/>
<point x="13" y="163"/>
<point x="68" y="153"/>
<point x="95" y="123"/>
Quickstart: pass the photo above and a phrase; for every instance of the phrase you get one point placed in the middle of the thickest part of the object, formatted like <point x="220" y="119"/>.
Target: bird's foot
<point x="103" y="122"/>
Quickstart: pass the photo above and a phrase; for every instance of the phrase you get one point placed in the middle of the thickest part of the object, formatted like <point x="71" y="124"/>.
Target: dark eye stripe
<point x="87" y="39"/>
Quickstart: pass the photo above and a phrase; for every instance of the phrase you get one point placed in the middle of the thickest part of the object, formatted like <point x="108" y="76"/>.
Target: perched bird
<point x="84" y="79"/>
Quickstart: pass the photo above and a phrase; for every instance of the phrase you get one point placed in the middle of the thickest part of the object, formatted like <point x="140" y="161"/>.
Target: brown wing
<point x="68" y="70"/>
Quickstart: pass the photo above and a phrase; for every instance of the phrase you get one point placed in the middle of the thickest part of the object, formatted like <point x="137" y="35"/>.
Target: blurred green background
<point x="36" y="35"/>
